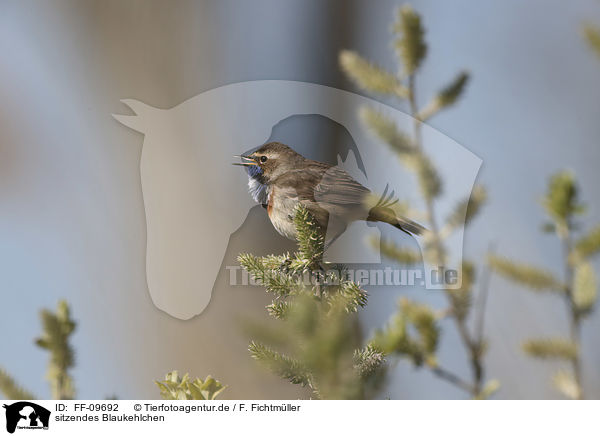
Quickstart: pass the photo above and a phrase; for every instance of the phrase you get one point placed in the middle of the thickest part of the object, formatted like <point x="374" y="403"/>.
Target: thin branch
<point x="472" y="346"/>
<point x="574" y="318"/>
<point x="486" y="278"/>
<point x="452" y="378"/>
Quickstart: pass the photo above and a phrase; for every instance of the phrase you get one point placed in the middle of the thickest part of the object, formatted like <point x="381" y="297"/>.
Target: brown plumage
<point x="280" y="179"/>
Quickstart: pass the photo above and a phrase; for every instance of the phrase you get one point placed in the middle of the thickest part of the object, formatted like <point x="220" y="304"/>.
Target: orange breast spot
<point x="270" y="202"/>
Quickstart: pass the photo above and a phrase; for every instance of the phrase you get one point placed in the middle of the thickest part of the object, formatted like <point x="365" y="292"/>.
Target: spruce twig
<point x="11" y="389"/>
<point x="57" y="328"/>
<point x="174" y="387"/>
<point x="316" y="344"/>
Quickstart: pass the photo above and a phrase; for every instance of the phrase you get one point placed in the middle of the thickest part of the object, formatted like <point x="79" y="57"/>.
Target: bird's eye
<point x="263" y="159"/>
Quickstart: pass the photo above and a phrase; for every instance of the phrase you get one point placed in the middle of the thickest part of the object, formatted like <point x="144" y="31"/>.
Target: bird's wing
<point x="331" y="192"/>
<point x="338" y="189"/>
<point x="323" y="188"/>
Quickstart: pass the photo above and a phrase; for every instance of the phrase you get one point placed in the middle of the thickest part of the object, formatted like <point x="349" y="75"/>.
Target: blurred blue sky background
<point x="71" y="213"/>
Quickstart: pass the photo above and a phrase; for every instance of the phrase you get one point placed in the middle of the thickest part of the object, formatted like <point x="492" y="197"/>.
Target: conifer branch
<point x="279" y="309"/>
<point x="353" y="295"/>
<point x="368" y="361"/>
<point x="282" y="365"/>
<point x="11" y="389"/>
<point x="174" y="387"/>
<point x="316" y="344"/>
<point x="57" y="328"/>
<point x="311" y="240"/>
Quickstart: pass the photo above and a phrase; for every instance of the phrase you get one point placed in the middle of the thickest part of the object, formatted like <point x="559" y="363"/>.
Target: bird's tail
<point x="409" y="226"/>
<point x="384" y="212"/>
<point x="387" y="215"/>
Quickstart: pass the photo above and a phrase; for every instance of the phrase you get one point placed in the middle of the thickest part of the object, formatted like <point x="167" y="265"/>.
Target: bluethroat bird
<point x="279" y="179"/>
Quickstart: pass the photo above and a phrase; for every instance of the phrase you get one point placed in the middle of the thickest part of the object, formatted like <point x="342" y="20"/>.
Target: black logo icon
<point x="24" y="414"/>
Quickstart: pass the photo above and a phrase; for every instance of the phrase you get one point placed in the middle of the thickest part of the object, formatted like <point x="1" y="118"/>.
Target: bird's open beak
<point x="248" y="161"/>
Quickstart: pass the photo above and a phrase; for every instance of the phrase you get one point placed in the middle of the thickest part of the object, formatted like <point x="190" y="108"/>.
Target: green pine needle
<point x="279" y="309"/>
<point x="311" y="241"/>
<point x="368" y="361"/>
<point x="353" y="295"/>
<point x="174" y="387"/>
<point x="252" y="264"/>
<point x="11" y="389"/>
<point x="57" y="328"/>
<point x="282" y="365"/>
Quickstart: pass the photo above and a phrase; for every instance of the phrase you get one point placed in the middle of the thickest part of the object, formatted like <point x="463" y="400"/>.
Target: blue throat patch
<point x="257" y="189"/>
<point x="254" y="171"/>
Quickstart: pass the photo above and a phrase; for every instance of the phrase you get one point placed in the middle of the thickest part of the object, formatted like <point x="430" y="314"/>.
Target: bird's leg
<point x="285" y="265"/>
